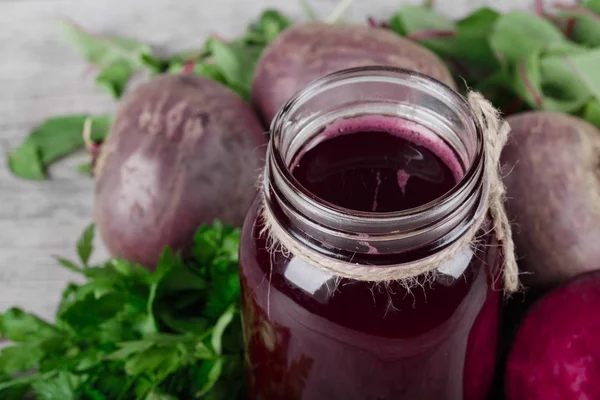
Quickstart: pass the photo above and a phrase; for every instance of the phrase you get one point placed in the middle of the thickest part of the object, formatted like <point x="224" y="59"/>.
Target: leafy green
<point x="231" y="63"/>
<point x="20" y="358"/>
<point x="63" y="386"/>
<point x="518" y="60"/>
<point x="462" y="44"/>
<point x="18" y="326"/>
<point x="85" y="244"/>
<point x="116" y="58"/>
<point x="126" y="332"/>
<point x="114" y="77"/>
<point x="518" y="34"/>
<point x="582" y="22"/>
<point x="592" y="113"/>
<point x="54" y="139"/>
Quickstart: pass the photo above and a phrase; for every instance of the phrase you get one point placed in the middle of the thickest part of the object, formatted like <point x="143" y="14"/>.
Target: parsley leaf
<point x="85" y="244"/>
<point x="18" y="326"/>
<point x="21" y="358"/>
<point x="63" y="386"/>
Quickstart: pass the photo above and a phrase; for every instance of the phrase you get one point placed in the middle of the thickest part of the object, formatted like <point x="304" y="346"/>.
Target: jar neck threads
<point x="443" y="118"/>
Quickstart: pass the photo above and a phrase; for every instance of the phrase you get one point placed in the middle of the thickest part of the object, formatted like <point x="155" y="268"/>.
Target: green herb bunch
<point x="127" y="333"/>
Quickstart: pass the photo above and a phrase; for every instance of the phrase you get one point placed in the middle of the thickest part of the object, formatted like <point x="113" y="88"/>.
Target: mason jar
<point x="373" y="168"/>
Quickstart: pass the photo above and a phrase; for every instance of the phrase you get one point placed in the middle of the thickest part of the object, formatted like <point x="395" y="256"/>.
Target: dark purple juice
<point x="371" y="164"/>
<point x="312" y="336"/>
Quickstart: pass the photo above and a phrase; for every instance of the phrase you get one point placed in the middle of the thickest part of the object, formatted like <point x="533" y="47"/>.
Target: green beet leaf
<point x="517" y="34"/>
<point x="54" y="139"/>
<point x="236" y="62"/>
<point x="582" y="22"/>
<point x="585" y="67"/>
<point x="114" y="77"/>
<point x="103" y="50"/>
<point x="117" y="58"/>
<point x="425" y="26"/>
<point x="527" y="80"/>
<point x="270" y="24"/>
<point x="591" y="113"/>
<point x="592" y="5"/>
<point x="463" y="45"/>
<point x="563" y="89"/>
<point x="25" y="162"/>
<point x="411" y="19"/>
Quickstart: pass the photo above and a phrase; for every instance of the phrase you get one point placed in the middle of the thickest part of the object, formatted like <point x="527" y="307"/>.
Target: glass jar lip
<point x="431" y="84"/>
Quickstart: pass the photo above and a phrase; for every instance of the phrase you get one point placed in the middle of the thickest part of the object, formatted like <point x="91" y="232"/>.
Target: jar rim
<point x="431" y="85"/>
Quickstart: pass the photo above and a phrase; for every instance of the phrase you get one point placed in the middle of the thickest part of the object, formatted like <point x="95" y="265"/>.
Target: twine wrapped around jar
<point x="495" y="134"/>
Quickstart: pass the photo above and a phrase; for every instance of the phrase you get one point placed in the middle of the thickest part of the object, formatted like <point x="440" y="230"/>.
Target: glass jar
<point x="313" y="335"/>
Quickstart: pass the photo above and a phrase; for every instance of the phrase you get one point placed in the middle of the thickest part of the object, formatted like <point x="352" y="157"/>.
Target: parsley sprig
<point x="127" y="333"/>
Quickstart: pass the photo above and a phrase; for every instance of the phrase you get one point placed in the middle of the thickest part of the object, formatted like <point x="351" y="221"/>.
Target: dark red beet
<point x="184" y="150"/>
<point x="311" y="50"/>
<point x="556" y="352"/>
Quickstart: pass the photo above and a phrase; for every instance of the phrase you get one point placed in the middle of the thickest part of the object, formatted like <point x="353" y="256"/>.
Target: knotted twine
<point x="495" y="135"/>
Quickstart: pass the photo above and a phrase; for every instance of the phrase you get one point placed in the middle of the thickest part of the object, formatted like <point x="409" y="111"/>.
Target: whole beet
<point x="555" y="352"/>
<point x="183" y="151"/>
<point x="311" y="50"/>
<point x="553" y="195"/>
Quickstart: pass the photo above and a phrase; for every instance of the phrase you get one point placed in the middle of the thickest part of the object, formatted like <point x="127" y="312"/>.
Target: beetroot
<point x="553" y="194"/>
<point x="556" y="352"/>
<point x="184" y="150"/>
<point x="311" y="50"/>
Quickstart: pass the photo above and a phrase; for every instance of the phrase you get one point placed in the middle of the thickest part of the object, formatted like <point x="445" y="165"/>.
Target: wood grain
<point x="41" y="76"/>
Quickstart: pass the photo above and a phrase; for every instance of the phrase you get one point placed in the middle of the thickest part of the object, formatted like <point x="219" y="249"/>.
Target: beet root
<point x="553" y="195"/>
<point x="183" y="151"/>
<point x="556" y="352"/>
<point x="311" y="50"/>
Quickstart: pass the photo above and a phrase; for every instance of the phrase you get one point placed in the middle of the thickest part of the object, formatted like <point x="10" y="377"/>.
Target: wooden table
<point x="42" y="76"/>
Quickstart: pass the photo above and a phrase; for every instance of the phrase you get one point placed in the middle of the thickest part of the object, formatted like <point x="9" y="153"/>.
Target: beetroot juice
<point x="311" y="335"/>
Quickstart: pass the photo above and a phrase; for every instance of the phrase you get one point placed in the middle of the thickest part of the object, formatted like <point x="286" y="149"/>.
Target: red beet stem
<point x="219" y="38"/>
<point x="532" y="90"/>
<point x="431" y="34"/>
<point x="188" y="67"/>
<point x="570" y="28"/>
<point x="577" y="9"/>
<point x="539" y="8"/>
<point x="375" y="24"/>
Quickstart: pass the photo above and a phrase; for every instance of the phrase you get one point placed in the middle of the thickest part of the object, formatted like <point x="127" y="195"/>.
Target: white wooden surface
<point x="41" y="76"/>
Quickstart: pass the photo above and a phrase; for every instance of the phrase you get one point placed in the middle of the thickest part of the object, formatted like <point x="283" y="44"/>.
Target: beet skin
<point x="309" y="51"/>
<point x="556" y="352"/>
<point x="183" y="151"/>
<point x="553" y="195"/>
